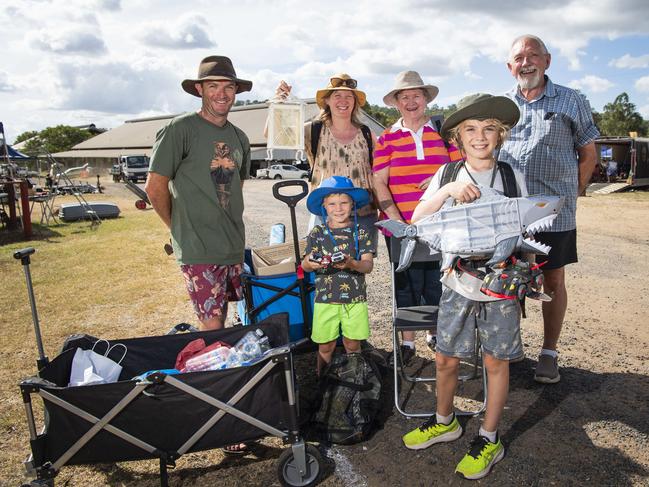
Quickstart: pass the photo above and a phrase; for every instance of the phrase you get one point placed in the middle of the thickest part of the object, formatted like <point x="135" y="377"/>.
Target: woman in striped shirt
<point x="406" y="157"/>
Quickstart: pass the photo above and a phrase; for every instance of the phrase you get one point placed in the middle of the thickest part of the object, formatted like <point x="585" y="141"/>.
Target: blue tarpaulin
<point x="13" y="153"/>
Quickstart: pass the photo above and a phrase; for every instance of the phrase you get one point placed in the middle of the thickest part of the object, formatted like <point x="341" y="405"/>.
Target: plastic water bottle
<point x="234" y="359"/>
<point x="212" y="360"/>
<point x="264" y="344"/>
<point x="250" y="350"/>
<point x="252" y="345"/>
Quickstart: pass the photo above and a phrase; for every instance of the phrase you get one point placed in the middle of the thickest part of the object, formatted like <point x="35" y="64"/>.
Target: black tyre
<point x="278" y="176"/>
<point x="287" y="469"/>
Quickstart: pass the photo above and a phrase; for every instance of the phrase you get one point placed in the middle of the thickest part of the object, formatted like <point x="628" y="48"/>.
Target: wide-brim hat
<point x="320" y="95"/>
<point x="216" y="68"/>
<point x="409" y="80"/>
<point x="482" y="106"/>
<point x="335" y="185"/>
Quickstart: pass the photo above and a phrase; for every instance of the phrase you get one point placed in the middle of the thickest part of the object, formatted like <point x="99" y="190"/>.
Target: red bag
<point x="193" y="348"/>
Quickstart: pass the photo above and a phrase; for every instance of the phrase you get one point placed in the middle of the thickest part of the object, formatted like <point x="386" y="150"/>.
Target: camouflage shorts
<point x="211" y="286"/>
<point x="498" y="323"/>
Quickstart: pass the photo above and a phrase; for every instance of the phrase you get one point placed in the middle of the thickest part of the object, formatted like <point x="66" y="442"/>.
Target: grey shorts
<point x="498" y="325"/>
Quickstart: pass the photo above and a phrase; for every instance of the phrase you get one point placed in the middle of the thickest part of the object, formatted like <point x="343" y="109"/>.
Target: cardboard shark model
<point x="492" y="227"/>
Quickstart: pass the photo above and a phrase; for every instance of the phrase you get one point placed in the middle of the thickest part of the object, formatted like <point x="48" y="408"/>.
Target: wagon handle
<point x="23" y="256"/>
<point x="290" y="200"/>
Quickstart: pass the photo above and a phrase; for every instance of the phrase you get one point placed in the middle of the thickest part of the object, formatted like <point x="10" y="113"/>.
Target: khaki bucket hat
<point x="409" y="80"/>
<point x="340" y="81"/>
<point x="217" y="68"/>
<point x="482" y="106"/>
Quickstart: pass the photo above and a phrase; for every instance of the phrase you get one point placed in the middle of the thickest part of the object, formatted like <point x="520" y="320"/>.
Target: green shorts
<point x="329" y="318"/>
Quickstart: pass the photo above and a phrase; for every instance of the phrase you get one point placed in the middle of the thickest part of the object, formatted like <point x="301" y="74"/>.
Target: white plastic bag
<point x="90" y="367"/>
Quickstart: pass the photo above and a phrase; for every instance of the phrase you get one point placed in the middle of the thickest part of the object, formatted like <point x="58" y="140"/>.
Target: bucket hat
<point x="409" y="80"/>
<point x="482" y="106"/>
<point x="336" y="184"/>
<point x="340" y="81"/>
<point x="217" y="68"/>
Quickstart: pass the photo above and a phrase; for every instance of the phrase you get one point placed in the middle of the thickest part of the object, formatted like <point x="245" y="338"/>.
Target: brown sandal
<point x="236" y="449"/>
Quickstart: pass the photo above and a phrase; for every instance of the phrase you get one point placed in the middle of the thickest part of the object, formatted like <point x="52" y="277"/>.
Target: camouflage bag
<point x="350" y="389"/>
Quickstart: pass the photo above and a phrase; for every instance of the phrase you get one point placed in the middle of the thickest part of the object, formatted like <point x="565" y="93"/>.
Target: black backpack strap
<point x="450" y="172"/>
<point x="510" y="186"/>
<point x="316" y="130"/>
<point x="438" y="126"/>
<point x="367" y="133"/>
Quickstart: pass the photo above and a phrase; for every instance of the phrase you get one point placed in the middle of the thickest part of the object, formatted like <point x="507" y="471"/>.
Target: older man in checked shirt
<point x="553" y="145"/>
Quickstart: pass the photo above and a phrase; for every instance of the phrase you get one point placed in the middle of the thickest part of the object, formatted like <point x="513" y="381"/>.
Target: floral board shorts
<point x="211" y="286"/>
<point x="498" y="323"/>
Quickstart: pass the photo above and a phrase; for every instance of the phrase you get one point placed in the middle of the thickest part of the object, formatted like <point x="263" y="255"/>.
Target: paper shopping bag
<point x="90" y="367"/>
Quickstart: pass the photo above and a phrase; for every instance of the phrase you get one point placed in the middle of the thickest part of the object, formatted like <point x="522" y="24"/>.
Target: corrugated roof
<point x="103" y="153"/>
<point x="137" y="136"/>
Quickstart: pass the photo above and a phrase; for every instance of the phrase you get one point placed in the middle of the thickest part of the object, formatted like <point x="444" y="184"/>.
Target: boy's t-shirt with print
<point x="340" y="286"/>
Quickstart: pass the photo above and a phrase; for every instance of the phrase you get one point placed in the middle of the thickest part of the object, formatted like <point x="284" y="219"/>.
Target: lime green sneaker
<point x="482" y="456"/>
<point x="432" y="432"/>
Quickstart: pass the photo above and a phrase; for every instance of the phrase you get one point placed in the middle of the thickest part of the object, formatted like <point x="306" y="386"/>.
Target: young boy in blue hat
<point x="340" y="252"/>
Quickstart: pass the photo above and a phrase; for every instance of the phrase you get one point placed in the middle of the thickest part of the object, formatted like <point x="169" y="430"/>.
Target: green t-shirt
<point x="205" y="164"/>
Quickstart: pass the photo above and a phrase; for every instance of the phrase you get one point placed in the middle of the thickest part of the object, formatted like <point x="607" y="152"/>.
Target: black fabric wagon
<point x="165" y="416"/>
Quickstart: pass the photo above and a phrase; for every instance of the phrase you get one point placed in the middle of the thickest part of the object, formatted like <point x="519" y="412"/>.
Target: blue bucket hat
<point x="335" y="185"/>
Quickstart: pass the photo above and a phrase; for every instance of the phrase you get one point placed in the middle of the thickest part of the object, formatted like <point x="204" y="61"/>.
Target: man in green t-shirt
<point x="198" y="165"/>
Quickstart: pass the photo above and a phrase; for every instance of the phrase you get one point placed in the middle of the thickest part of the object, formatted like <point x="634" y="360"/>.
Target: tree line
<point x="617" y="119"/>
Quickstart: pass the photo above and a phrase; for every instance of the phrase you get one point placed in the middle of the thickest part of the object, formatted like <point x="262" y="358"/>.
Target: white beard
<point x="530" y="82"/>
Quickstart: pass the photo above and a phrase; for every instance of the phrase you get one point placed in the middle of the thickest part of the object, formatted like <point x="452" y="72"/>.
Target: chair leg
<point x="477" y="371"/>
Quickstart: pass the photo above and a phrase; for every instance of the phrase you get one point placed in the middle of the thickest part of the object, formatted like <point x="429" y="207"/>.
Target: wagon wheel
<point x="287" y="470"/>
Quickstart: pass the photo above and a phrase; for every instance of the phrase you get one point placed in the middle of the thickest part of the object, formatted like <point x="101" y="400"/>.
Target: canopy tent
<point x="13" y="154"/>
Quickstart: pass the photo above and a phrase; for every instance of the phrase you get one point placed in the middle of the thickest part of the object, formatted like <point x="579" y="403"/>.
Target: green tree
<point x="56" y="139"/>
<point x="386" y="116"/>
<point x="620" y="117"/>
<point x="25" y="135"/>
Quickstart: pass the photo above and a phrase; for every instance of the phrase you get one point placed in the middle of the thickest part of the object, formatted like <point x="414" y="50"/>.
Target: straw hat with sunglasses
<point x="340" y="81"/>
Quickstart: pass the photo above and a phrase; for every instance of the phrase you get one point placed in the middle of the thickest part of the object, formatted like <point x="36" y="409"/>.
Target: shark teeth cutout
<point x="540" y="247"/>
<point x="541" y="225"/>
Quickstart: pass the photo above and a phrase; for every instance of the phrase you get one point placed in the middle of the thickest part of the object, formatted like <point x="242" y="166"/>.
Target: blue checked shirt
<point x="543" y="145"/>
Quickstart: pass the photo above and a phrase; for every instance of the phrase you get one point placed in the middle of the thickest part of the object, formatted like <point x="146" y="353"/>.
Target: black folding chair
<point x="418" y="318"/>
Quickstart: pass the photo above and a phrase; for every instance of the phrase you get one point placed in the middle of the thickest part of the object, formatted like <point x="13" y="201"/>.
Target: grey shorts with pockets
<point x="498" y="324"/>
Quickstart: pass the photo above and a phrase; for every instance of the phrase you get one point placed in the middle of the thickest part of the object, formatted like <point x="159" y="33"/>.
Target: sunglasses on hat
<point x="338" y="82"/>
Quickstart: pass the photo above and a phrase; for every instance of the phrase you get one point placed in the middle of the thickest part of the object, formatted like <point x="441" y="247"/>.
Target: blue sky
<point x="105" y="61"/>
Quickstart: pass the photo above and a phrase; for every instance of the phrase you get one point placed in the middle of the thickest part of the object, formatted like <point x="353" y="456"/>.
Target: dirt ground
<point x="590" y="429"/>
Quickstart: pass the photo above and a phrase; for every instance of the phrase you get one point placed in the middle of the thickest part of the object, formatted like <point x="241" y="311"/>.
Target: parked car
<point x="282" y="171"/>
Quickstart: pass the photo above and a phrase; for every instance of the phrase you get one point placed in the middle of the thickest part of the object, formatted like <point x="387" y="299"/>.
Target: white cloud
<point x="591" y="84"/>
<point x="112" y="5"/>
<point x="67" y="41"/>
<point x="629" y="62"/>
<point x="189" y="32"/>
<point x="644" y="111"/>
<point x="642" y="84"/>
<point x="144" y="50"/>
<point x="5" y="84"/>
<point x="114" y="87"/>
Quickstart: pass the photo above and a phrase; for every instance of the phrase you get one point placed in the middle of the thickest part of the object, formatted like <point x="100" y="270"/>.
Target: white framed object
<point x="286" y="125"/>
